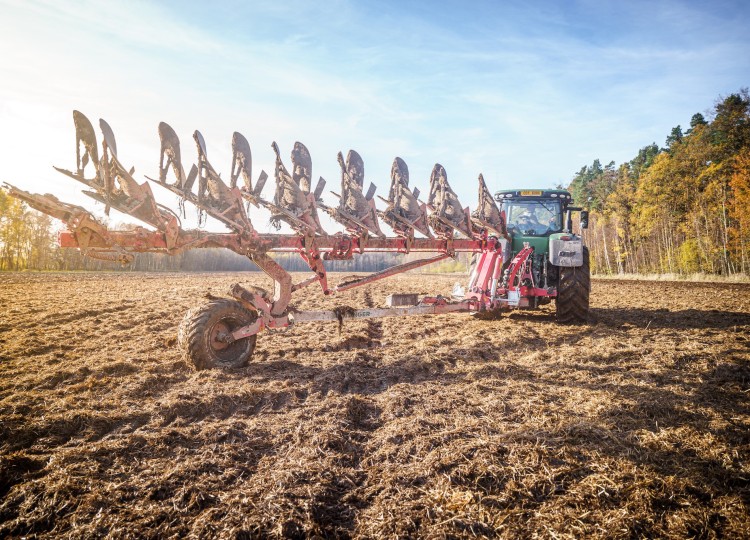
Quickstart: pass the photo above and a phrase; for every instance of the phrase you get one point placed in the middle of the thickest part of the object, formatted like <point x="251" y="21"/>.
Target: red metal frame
<point x="313" y="249"/>
<point x="520" y="286"/>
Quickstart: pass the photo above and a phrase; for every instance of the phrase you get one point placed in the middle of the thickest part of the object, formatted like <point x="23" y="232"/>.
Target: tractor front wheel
<point x="205" y="331"/>
<point x="573" y="290"/>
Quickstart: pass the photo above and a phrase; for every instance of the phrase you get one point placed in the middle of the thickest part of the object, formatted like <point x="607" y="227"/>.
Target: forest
<point x="683" y="208"/>
<point x="679" y="209"/>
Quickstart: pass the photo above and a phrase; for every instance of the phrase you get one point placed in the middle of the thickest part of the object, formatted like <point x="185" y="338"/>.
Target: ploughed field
<point x="635" y="424"/>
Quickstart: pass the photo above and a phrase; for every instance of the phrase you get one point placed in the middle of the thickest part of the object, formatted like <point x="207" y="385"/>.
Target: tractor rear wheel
<point x="203" y="333"/>
<point x="573" y="290"/>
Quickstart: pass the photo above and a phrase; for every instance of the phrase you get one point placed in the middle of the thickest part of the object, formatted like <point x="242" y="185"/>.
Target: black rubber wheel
<point x="573" y="290"/>
<point x="202" y="331"/>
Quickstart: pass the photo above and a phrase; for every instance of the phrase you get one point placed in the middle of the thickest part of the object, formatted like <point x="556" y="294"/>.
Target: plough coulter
<point x="525" y="252"/>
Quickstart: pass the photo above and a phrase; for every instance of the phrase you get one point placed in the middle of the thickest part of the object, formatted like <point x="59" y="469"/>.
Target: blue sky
<point x="525" y="92"/>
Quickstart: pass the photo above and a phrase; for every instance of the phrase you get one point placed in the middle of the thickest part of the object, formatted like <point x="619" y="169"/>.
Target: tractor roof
<point x="536" y="193"/>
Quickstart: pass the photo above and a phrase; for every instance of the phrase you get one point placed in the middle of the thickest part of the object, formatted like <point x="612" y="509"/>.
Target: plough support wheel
<point x="204" y="332"/>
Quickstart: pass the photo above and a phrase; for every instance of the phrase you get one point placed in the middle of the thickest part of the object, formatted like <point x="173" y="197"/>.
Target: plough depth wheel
<point x="204" y="331"/>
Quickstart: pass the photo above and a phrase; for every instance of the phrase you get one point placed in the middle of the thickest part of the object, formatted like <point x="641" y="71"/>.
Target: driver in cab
<point x="528" y="223"/>
<point x="528" y="218"/>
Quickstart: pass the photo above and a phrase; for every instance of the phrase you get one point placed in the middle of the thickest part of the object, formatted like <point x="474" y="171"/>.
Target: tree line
<point x="27" y="237"/>
<point x="682" y="208"/>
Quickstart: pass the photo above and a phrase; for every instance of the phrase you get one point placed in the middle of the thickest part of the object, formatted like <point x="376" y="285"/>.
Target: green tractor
<point x="540" y="224"/>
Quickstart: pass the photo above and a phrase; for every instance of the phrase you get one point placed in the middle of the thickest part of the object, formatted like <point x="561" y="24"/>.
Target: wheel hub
<point x="220" y="335"/>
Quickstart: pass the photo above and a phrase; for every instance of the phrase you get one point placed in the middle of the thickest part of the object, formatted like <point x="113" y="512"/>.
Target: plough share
<point x="505" y="274"/>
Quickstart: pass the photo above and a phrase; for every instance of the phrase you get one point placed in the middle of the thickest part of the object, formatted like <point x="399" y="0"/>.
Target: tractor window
<point x="533" y="217"/>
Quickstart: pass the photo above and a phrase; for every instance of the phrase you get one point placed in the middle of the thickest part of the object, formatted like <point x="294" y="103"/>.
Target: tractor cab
<point x="532" y="216"/>
<point x="537" y="212"/>
<point x="536" y="217"/>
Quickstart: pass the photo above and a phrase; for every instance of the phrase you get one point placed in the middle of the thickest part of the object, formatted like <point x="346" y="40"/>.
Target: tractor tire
<point x="200" y="331"/>
<point x="574" y="285"/>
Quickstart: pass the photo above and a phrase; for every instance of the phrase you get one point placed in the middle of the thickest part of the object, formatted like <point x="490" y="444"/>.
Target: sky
<point x="524" y="92"/>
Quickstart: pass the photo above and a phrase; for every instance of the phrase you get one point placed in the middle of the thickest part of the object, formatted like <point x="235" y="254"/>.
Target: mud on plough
<point x="223" y="331"/>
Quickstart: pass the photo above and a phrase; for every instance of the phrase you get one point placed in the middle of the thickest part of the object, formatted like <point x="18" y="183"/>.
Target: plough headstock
<point x="91" y="232"/>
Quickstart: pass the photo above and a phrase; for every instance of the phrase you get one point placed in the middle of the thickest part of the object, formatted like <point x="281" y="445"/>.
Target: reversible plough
<point x="223" y="331"/>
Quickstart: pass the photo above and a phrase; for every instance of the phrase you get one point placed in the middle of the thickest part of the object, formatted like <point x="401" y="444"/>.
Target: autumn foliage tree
<point x="684" y="208"/>
<point x="739" y="210"/>
<point x="27" y="239"/>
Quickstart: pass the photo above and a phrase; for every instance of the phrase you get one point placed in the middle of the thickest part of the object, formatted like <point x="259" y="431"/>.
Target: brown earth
<point x="635" y="424"/>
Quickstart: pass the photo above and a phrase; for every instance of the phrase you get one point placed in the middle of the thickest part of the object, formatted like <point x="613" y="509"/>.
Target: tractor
<point x="541" y="220"/>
